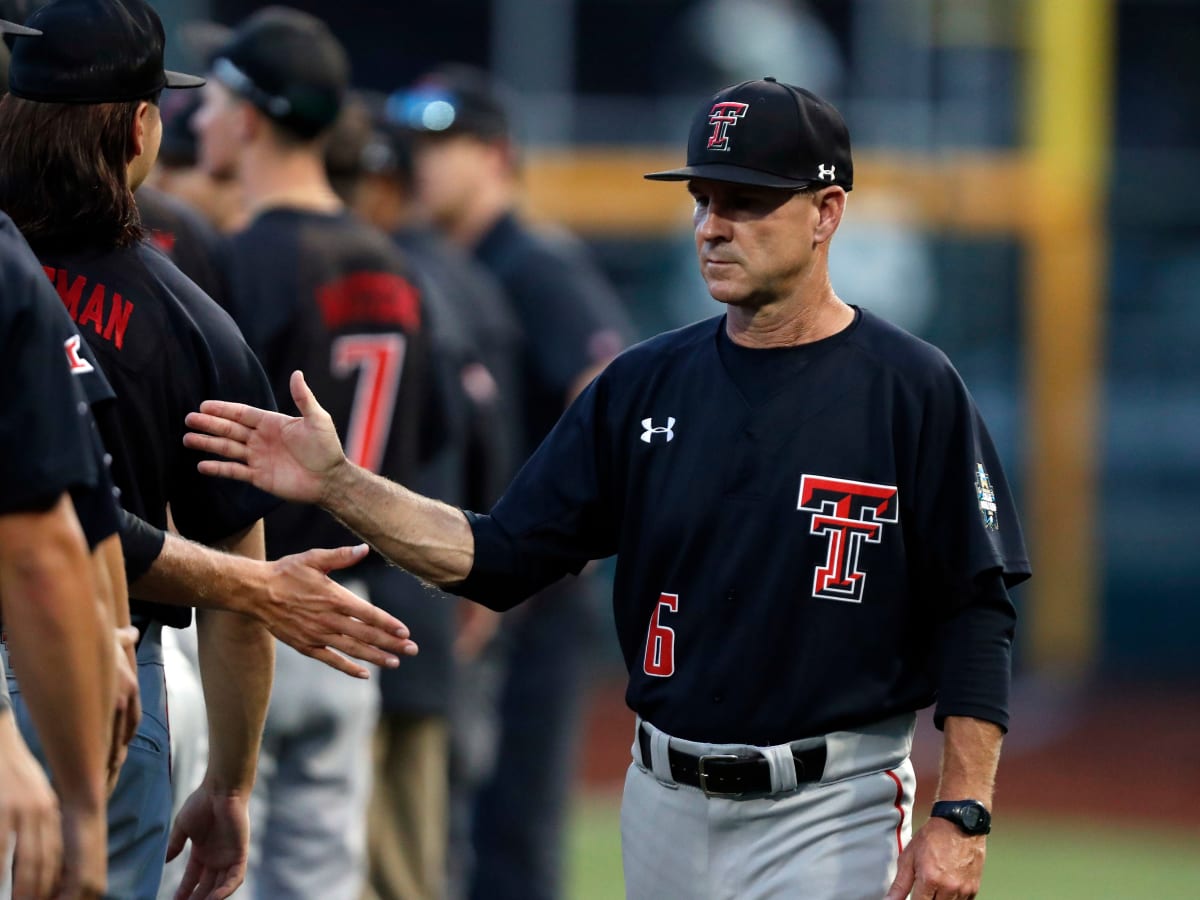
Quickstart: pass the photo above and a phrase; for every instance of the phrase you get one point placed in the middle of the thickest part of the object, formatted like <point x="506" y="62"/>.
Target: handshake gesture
<point x="297" y="459"/>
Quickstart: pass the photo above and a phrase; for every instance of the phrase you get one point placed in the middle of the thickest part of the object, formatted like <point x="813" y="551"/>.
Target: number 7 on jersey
<point x="660" y="640"/>
<point x="380" y="359"/>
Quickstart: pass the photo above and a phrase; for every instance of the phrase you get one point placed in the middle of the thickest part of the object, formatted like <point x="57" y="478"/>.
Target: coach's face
<point x="760" y="245"/>
<point x="216" y="124"/>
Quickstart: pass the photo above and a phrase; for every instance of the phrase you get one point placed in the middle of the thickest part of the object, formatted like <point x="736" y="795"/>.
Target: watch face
<point x="970" y="817"/>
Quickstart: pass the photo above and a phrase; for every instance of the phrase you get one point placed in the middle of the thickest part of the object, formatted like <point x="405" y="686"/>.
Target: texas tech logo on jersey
<point x="720" y="118"/>
<point x="79" y="365"/>
<point x="847" y="513"/>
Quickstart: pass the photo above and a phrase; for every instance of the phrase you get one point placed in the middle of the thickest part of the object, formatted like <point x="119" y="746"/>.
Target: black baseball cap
<point x="93" y="51"/>
<point x="289" y="66"/>
<point x="770" y="134"/>
<point x="452" y="99"/>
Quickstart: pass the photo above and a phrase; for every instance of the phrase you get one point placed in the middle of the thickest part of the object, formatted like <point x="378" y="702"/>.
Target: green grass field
<point x="1028" y="859"/>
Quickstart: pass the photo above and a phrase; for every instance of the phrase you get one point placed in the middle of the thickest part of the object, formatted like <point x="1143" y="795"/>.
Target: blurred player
<point x="476" y="342"/>
<point x="467" y="179"/>
<point x="80" y="132"/>
<point x="313" y="286"/>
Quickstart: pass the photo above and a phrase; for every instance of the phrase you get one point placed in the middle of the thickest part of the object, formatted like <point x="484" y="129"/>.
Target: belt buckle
<point x="704" y="775"/>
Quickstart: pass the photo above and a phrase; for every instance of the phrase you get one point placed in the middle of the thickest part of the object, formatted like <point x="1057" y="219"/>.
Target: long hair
<point x="63" y="173"/>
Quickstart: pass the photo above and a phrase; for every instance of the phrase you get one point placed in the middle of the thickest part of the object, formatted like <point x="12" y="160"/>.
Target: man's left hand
<point x="940" y="863"/>
<point x="218" y="825"/>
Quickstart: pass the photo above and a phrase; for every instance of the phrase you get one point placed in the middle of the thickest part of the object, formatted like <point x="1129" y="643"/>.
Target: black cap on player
<point x="770" y="134"/>
<point x="289" y="66"/>
<point x="453" y="99"/>
<point x="93" y="51"/>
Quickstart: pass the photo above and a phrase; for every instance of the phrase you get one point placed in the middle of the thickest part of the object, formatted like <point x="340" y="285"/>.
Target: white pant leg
<point x="189" y="735"/>
<point x="309" y="806"/>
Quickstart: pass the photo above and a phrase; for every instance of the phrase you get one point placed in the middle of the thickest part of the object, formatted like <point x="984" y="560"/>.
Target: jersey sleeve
<point x="141" y="543"/>
<point x="207" y="509"/>
<point x="971" y="551"/>
<point x="558" y="513"/>
<point x="44" y="448"/>
<point x="96" y="505"/>
<point x="967" y="522"/>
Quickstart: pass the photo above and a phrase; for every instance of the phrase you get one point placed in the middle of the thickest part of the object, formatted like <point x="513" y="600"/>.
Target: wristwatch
<point x="969" y="815"/>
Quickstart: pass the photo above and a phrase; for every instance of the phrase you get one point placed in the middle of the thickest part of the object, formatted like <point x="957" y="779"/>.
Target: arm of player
<point x="941" y="861"/>
<point x="52" y="614"/>
<point x="301" y="459"/>
<point x="28" y="813"/>
<point x="294" y="598"/>
<point x="237" y="664"/>
<point x="108" y="569"/>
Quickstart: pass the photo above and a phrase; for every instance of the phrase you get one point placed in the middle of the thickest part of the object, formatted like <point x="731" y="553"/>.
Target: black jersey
<point x="187" y="238"/>
<point x="45" y="447"/>
<point x="330" y="295"/>
<point x="165" y="347"/>
<point x="570" y="316"/>
<point x="788" y="557"/>
<point x="473" y="326"/>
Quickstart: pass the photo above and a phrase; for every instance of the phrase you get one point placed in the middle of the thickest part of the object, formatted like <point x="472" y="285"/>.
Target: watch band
<point x="971" y="816"/>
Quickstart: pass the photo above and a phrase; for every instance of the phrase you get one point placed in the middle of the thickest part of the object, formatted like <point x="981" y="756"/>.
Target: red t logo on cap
<point x="721" y="117"/>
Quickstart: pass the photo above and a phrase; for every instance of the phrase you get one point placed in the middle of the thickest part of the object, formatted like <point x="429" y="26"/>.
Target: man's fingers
<point x="303" y="396"/>
<point x="218" y="446"/>
<point x="903" y="882"/>
<point x="34" y="869"/>
<point x="191" y="877"/>
<point x="204" y="887"/>
<point x="238" y="413"/>
<point x="229" y="882"/>
<point x="176" y="842"/>
<point x="375" y="639"/>
<point x="351" y="646"/>
<point x="336" y="661"/>
<point x="222" y="469"/>
<point x="218" y="426"/>
<point x="337" y="558"/>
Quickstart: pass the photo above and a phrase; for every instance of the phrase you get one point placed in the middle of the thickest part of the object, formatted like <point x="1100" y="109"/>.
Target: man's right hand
<point x="127" y="711"/>
<point x="315" y="615"/>
<point x="292" y="458"/>
<point x="85" y="854"/>
<point x="28" y="813"/>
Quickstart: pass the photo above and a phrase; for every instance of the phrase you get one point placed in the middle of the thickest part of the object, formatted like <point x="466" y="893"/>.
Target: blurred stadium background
<point x="1023" y="200"/>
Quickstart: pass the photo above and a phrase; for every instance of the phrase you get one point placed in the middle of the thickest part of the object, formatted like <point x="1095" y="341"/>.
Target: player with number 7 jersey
<point x="324" y="292"/>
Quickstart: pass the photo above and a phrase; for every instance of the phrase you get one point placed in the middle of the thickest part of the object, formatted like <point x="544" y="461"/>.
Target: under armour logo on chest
<point x="652" y="429"/>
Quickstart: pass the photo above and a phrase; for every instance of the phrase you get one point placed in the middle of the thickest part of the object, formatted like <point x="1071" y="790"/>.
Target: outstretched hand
<point x="293" y="458"/>
<point x="315" y="615"/>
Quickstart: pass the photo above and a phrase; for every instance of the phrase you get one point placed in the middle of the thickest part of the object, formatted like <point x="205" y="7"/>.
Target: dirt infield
<point x="1129" y="752"/>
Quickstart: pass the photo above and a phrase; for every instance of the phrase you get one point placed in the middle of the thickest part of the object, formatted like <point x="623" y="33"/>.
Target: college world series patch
<point x="987" y="498"/>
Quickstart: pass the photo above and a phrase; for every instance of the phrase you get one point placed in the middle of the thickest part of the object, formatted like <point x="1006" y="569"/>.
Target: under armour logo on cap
<point x="826" y="173"/>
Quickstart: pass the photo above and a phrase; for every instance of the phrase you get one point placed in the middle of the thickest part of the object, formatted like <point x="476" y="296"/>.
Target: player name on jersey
<point x="105" y="311"/>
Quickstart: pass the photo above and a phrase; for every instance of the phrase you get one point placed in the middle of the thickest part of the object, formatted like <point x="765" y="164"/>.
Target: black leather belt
<point x="729" y="775"/>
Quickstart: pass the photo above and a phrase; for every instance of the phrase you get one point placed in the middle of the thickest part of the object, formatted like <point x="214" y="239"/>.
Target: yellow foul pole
<point x="1070" y="100"/>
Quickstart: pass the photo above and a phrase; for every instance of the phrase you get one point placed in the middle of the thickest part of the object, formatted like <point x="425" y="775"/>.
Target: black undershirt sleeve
<point x="141" y="543"/>
<point x="975" y="655"/>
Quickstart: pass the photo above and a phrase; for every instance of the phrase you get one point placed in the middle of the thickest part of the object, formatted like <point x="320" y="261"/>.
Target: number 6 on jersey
<point x="660" y="640"/>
